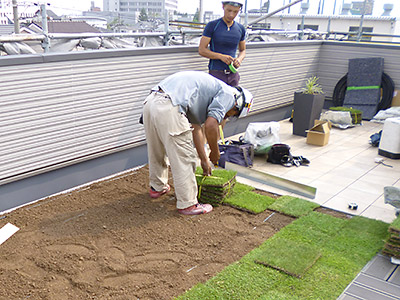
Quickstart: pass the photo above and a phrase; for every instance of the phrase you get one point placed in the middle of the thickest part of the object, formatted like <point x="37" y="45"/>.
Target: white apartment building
<point x="338" y="23"/>
<point x="153" y="8"/>
<point x="25" y="10"/>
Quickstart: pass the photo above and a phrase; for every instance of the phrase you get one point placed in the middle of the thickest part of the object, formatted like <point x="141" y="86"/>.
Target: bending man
<point x="173" y="115"/>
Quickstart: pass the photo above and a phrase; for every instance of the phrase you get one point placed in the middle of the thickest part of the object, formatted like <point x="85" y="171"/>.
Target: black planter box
<point x="307" y="108"/>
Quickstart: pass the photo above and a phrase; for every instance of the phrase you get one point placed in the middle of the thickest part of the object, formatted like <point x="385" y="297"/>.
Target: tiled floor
<point x="343" y="171"/>
<point x="379" y="280"/>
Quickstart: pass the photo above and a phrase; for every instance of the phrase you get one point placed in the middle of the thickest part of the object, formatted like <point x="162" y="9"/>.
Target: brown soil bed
<point x="110" y="240"/>
<point x="334" y="213"/>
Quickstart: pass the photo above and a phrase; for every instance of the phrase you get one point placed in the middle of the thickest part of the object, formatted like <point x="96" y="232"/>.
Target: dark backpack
<point x="280" y="154"/>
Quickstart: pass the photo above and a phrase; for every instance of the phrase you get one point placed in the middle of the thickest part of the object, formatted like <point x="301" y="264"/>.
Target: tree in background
<point x="115" y="24"/>
<point x="196" y="16"/>
<point x="143" y="15"/>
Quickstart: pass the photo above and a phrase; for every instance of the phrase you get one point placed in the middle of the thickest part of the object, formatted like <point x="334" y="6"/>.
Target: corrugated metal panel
<point x="57" y="112"/>
<point x="68" y="109"/>
<point x="334" y="58"/>
<point x="60" y="112"/>
<point x="274" y="73"/>
<point x="6" y="29"/>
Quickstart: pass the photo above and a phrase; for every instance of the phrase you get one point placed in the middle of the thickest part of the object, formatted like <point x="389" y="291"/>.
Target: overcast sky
<point x="190" y="6"/>
<point x="216" y="6"/>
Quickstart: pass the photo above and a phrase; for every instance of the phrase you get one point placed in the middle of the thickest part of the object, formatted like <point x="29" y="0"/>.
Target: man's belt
<point x="227" y="72"/>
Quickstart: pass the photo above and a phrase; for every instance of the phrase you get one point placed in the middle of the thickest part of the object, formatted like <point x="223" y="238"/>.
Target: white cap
<point x="244" y="101"/>
<point x="234" y="3"/>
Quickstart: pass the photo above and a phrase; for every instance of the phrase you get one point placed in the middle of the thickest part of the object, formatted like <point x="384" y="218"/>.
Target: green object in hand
<point x="232" y="68"/>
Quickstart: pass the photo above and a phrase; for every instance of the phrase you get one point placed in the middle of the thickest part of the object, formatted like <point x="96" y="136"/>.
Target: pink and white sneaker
<point x="197" y="209"/>
<point x="154" y="194"/>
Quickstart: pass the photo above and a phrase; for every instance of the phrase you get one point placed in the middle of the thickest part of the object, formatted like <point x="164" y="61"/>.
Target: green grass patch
<point x="342" y="108"/>
<point x="356" y="114"/>
<point x="249" y="201"/>
<point x="316" y="228"/>
<point x="293" y="206"/>
<point x="343" y="255"/>
<point x="241" y="187"/>
<point x="395" y="226"/>
<point x="288" y="256"/>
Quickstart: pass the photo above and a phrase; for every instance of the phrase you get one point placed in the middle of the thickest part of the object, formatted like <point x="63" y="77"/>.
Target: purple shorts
<point x="226" y="76"/>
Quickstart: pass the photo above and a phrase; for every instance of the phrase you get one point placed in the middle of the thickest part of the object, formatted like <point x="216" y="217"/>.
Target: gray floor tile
<point x="348" y="297"/>
<point x="366" y="293"/>
<point x="378" y="285"/>
<point x="380" y="267"/>
<point x="395" y="278"/>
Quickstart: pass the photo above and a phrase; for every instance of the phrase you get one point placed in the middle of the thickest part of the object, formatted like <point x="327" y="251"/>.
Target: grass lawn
<point x="395" y="226"/>
<point x="345" y="246"/>
<point x="314" y="257"/>
<point x="293" y="206"/>
<point x="392" y="246"/>
<point x="288" y="256"/>
<point x="250" y="201"/>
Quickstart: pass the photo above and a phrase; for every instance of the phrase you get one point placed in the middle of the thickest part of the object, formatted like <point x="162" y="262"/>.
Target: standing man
<point x="173" y="114"/>
<point x="220" y="41"/>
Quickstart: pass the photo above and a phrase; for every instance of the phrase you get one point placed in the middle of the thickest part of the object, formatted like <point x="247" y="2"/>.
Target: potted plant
<point x="308" y="104"/>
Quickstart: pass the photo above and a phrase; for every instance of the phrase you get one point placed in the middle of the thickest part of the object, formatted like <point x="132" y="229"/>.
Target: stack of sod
<point x="215" y="188"/>
<point x="392" y="246"/>
<point x="356" y="114"/>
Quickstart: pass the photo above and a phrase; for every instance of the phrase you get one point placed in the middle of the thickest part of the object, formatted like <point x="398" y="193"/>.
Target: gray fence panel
<point x="60" y="109"/>
<point x="334" y="58"/>
<point x="274" y="72"/>
<point x="59" y="112"/>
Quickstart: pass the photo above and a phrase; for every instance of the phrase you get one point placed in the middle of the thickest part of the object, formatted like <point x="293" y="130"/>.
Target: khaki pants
<point x="169" y="134"/>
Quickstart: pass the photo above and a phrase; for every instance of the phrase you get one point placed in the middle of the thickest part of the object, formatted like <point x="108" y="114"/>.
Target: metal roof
<point x="68" y="27"/>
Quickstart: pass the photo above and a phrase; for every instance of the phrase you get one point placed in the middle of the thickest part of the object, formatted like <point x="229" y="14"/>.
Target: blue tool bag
<point x="236" y="153"/>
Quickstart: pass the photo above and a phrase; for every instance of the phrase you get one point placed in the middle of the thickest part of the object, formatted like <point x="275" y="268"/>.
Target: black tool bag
<point x="237" y="153"/>
<point x="280" y="154"/>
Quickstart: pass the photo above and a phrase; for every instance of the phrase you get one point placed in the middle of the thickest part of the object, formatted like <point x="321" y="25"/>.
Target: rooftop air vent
<point x="346" y="8"/>
<point x="304" y="8"/>
<point x="387" y="9"/>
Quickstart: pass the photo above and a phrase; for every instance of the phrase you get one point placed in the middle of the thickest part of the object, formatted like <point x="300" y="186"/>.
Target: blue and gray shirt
<point x="224" y="40"/>
<point x="199" y="95"/>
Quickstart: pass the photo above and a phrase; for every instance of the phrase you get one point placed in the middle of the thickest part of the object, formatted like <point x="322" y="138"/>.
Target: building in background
<point x="26" y="11"/>
<point x="153" y="8"/>
<point x="357" y="7"/>
<point x="93" y="7"/>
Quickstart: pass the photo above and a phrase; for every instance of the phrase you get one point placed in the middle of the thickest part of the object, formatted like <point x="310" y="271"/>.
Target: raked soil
<point x="110" y="240"/>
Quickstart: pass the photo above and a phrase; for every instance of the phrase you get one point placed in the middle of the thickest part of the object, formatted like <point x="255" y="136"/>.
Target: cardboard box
<point x="396" y="98"/>
<point x="319" y="133"/>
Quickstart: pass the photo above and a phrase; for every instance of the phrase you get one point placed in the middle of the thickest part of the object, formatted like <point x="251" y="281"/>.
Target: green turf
<point x="392" y="246"/>
<point x="240" y="187"/>
<point x="288" y="256"/>
<point x="249" y="201"/>
<point x="293" y="206"/>
<point x="395" y="224"/>
<point x="342" y="108"/>
<point x="345" y="249"/>
<point x="219" y="177"/>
